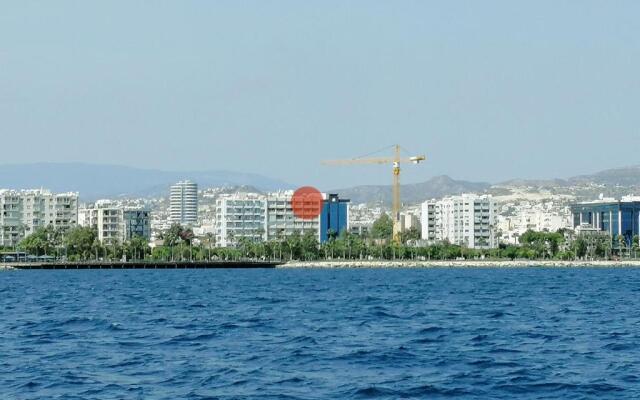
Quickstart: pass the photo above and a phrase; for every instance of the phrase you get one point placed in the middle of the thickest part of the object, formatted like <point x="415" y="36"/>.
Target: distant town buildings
<point x="115" y="223"/>
<point x="516" y="218"/>
<point x="466" y="220"/>
<point x="24" y="211"/>
<point x="227" y="216"/>
<point x="618" y="218"/>
<point x="362" y="217"/>
<point x="183" y="203"/>
<point x="410" y="220"/>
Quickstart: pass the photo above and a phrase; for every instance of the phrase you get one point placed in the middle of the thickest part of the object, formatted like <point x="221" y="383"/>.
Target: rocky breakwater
<point x="456" y="263"/>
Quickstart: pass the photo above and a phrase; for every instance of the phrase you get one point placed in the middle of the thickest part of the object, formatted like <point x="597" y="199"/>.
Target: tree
<point x="80" y="242"/>
<point x="579" y="247"/>
<point x="409" y="235"/>
<point x="39" y="242"/>
<point x="137" y="247"/>
<point x="172" y="235"/>
<point x="382" y="228"/>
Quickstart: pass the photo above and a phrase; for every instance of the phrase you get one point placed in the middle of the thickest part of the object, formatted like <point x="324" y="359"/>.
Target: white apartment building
<point x="467" y="220"/>
<point x="116" y="224"/>
<point x="240" y="215"/>
<point x="281" y="221"/>
<point x="259" y="217"/>
<point x="183" y="203"/>
<point x="22" y="212"/>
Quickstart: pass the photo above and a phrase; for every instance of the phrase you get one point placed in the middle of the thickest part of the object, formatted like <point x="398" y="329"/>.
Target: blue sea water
<point x="321" y="334"/>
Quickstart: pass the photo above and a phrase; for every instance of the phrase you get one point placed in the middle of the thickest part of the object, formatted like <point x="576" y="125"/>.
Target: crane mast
<point x="395" y="203"/>
<point x="395" y="161"/>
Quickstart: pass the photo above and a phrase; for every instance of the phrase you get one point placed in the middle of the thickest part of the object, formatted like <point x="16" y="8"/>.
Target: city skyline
<point x="487" y="91"/>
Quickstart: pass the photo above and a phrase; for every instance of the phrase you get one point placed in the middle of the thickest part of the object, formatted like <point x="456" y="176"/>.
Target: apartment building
<point x="24" y="211"/>
<point x="240" y="215"/>
<point x="281" y="221"/>
<point x="115" y="223"/>
<point x="183" y="203"/>
<point x="271" y="217"/>
<point x="467" y="220"/>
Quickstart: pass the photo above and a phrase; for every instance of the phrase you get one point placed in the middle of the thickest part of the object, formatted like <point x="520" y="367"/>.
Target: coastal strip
<point x="143" y="265"/>
<point x="456" y="264"/>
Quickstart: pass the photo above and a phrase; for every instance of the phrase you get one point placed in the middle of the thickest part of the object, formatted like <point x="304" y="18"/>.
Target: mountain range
<point x="110" y="181"/>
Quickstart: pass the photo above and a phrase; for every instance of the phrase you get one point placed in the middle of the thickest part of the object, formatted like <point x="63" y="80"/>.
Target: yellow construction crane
<point x="395" y="161"/>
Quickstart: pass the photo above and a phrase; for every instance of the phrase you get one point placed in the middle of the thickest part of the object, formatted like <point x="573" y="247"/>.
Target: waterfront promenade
<point x="141" y="265"/>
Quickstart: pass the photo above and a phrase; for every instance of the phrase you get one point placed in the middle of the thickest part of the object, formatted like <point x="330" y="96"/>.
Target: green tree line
<point x="180" y="244"/>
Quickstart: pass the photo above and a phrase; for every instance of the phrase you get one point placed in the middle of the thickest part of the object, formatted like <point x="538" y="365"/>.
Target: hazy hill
<point x="435" y="187"/>
<point x="97" y="181"/>
<point x="626" y="176"/>
<point x="108" y="181"/>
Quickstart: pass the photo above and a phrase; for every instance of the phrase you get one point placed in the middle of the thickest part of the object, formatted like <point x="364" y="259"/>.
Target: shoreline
<point x="457" y="264"/>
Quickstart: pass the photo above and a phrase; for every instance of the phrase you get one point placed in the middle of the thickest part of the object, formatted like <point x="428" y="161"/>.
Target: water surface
<point x="320" y="334"/>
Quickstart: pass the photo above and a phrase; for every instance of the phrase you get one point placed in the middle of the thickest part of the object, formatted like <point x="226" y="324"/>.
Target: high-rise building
<point x="466" y="220"/>
<point x="23" y="212"/>
<point x="183" y="203"/>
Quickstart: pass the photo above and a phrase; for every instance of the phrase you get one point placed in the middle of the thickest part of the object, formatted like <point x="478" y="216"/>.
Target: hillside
<point x="435" y="187"/>
<point x="99" y="181"/>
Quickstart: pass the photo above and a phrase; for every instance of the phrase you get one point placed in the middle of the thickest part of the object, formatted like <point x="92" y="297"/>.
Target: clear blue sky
<point x="489" y="90"/>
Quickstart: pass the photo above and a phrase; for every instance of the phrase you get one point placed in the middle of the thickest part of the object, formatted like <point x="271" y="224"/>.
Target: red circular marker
<point x="306" y="202"/>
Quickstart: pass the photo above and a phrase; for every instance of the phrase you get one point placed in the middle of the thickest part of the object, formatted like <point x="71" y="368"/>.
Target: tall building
<point x="466" y="220"/>
<point x="183" y="203"/>
<point x="23" y="212"/>
<point x="334" y="218"/>
<point x="616" y="218"/>
<point x="114" y="223"/>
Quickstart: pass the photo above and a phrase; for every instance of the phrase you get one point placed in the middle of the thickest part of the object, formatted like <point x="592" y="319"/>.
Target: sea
<point x="388" y="333"/>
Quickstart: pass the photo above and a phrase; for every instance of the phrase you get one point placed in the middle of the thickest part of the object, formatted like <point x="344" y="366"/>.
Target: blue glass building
<point x="617" y="218"/>
<point x="334" y="217"/>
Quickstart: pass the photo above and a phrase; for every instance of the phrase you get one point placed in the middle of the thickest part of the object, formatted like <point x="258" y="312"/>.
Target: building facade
<point x="281" y="222"/>
<point x="260" y="217"/>
<point x="114" y="223"/>
<point x="240" y="216"/>
<point x="616" y="218"/>
<point x="409" y="221"/>
<point x="23" y="212"/>
<point x="183" y="203"/>
<point x="467" y="220"/>
<point x="334" y="218"/>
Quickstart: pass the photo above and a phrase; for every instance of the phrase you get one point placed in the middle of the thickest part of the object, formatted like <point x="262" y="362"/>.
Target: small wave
<point x="373" y="392"/>
<point x="620" y="346"/>
<point x="553" y="387"/>
<point x="430" y="329"/>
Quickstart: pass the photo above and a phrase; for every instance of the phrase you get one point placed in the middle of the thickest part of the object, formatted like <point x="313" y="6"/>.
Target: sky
<point x="487" y="90"/>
